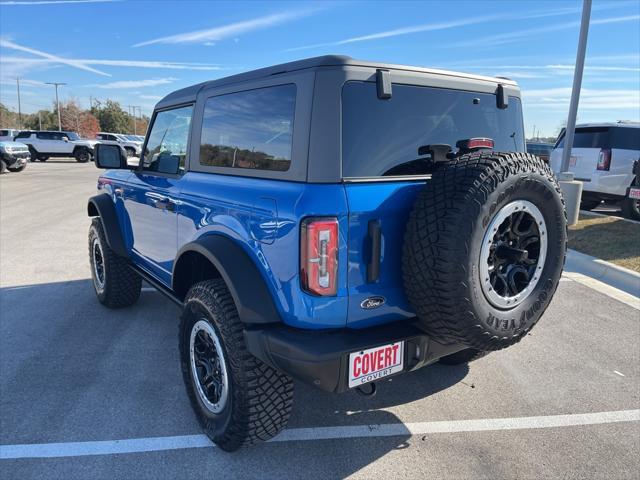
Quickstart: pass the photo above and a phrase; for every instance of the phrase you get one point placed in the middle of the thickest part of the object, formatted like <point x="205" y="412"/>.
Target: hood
<point x="88" y="143"/>
<point x="15" y="146"/>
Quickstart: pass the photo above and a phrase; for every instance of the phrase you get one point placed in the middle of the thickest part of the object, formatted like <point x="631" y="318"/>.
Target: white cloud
<point x="231" y="30"/>
<point x="116" y="63"/>
<point x="52" y="2"/>
<point x="590" y="99"/>
<point x="428" y="27"/>
<point x="65" y="61"/>
<point x="515" y="36"/>
<point x="151" y="97"/>
<point x="153" y="82"/>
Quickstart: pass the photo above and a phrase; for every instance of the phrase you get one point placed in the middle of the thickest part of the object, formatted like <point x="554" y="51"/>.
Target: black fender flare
<point x="102" y="206"/>
<point x="250" y="293"/>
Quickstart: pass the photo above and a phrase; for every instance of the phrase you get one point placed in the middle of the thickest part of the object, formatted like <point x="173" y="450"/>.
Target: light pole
<point x="57" y="102"/>
<point x="573" y="189"/>
<point x="19" y="106"/>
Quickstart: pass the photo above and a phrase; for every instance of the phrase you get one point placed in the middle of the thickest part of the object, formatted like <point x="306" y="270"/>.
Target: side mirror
<point x="110" y="156"/>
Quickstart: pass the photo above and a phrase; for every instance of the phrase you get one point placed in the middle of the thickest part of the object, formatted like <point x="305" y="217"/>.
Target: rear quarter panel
<point x="263" y="217"/>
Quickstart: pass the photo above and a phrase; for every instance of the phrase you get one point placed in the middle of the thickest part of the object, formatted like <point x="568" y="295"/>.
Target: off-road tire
<point x="19" y="169"/>
<point x="445" y="235"/>
<point x="34" y="154"/>
<point x="3" y="167"/>
<point x="589" y="204"/>
<point x="122" y="285"/>
<point x="82" y="155"/>
<point x="631" y="207"/>
<point x="463" y="357"/>
<point x="260" y="398"/>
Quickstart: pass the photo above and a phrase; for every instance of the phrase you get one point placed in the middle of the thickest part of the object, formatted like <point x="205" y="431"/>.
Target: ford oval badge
<point x="372" y="302"/>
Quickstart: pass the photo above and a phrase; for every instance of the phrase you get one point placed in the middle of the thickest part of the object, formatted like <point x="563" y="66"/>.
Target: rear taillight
<point x="470" y="144"/>
<point x="604" y="159"/>
<point x="319" y="255"/>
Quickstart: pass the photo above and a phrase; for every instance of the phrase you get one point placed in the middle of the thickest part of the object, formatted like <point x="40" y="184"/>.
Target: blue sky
<point x="137" y="51"/>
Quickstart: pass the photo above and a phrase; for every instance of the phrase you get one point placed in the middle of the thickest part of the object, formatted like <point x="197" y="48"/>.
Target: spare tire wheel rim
<point x="513" y="254"/>
<point x="208" y="366"/>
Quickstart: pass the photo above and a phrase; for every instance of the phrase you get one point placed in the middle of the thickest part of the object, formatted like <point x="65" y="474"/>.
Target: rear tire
<point x="631" y="207"/>
<point x="82" y="155"/>
<point x="115" y="283"/>
<point x="484" y="249"/>
<point x="238" y="399"/>
<point x="463" y="357"/>
<point x="19" y="169"/>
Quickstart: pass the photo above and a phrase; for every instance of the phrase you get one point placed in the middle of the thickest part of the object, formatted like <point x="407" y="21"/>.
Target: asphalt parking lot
<point x="92" y="390"/>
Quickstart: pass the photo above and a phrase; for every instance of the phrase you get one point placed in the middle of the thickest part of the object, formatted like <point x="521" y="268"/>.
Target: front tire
<point x="115" y="283"/>
<point x="238" y="399"/>
<point x="3" y="167"/>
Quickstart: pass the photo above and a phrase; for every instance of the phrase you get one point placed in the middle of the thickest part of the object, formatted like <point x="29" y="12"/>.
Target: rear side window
<point x="382" y="137"/>
<point x="4" y="133"/>
<point x="24" y="135"/>
<point x="251" y="129"/>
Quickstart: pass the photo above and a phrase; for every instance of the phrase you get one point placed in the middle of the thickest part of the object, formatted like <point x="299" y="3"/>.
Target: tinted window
<point x="382" y="137"/>
<point x="23" y="135"/>
<point x="625" y="138"/>
<point x="252" y="129"/>
<point x="4" y="133"/>
<point x="166" y="149"/>
<point x="589" y="137"/>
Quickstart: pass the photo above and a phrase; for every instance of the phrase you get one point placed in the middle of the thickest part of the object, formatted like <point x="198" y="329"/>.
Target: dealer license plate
<point x="375" y="363"/>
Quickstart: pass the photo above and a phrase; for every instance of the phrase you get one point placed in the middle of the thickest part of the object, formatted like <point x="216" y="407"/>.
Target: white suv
<point x="603" y="157"/>
<point x="46" y="144"/>
<point x="8" y="134"/>
<point x="131" y="147"/>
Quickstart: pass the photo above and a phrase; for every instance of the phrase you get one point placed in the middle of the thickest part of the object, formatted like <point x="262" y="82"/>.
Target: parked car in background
<point x="8" y="134"/>
<point x="540" y="149"/>
<point x="602" y="157"/>
<point x="131" y="146"/>
<point x="45" y="144"/>
<point x="13" y="156"/>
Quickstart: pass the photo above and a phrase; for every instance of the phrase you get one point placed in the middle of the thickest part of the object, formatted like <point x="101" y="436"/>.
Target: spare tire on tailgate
<point x="484" y="248"/>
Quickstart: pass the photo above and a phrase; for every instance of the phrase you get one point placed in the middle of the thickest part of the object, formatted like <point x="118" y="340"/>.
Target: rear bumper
<point x="322" y="358"/>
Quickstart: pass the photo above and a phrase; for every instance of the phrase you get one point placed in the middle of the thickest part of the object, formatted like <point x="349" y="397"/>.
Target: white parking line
<point x="137" y="445"/>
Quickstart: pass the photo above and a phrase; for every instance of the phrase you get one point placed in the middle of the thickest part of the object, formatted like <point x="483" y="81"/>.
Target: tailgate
<point x="583" y="163"/>
<point x="386" y="205"/>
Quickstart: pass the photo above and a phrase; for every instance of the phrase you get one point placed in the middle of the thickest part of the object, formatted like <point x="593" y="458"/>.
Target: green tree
<point x="48" y="119"/>
<point x="8" y="118"/>
<point x="112" y="118"/>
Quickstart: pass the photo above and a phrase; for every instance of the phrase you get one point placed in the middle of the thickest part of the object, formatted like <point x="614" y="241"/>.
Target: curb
<point x="602" y="214"/>
<point x="613" y="275"/>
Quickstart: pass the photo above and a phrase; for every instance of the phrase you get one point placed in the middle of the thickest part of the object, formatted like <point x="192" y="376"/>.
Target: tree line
<point x="105" y="117"/>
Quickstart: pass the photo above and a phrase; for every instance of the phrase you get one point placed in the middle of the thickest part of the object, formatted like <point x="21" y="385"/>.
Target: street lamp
<point x="57" y="102"/>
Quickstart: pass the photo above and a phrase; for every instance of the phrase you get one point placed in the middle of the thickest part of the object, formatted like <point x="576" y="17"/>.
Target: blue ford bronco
<point x="332" y="221"/>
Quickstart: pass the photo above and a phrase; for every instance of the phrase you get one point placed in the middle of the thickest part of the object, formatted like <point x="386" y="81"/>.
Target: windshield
<point x="382" y="137"/>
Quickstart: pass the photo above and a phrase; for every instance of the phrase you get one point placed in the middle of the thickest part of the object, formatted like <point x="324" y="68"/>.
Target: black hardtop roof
<point x="184" y="94"/>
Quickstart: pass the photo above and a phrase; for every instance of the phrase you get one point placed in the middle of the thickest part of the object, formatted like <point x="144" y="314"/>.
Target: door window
<point x="166" y="149"/>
